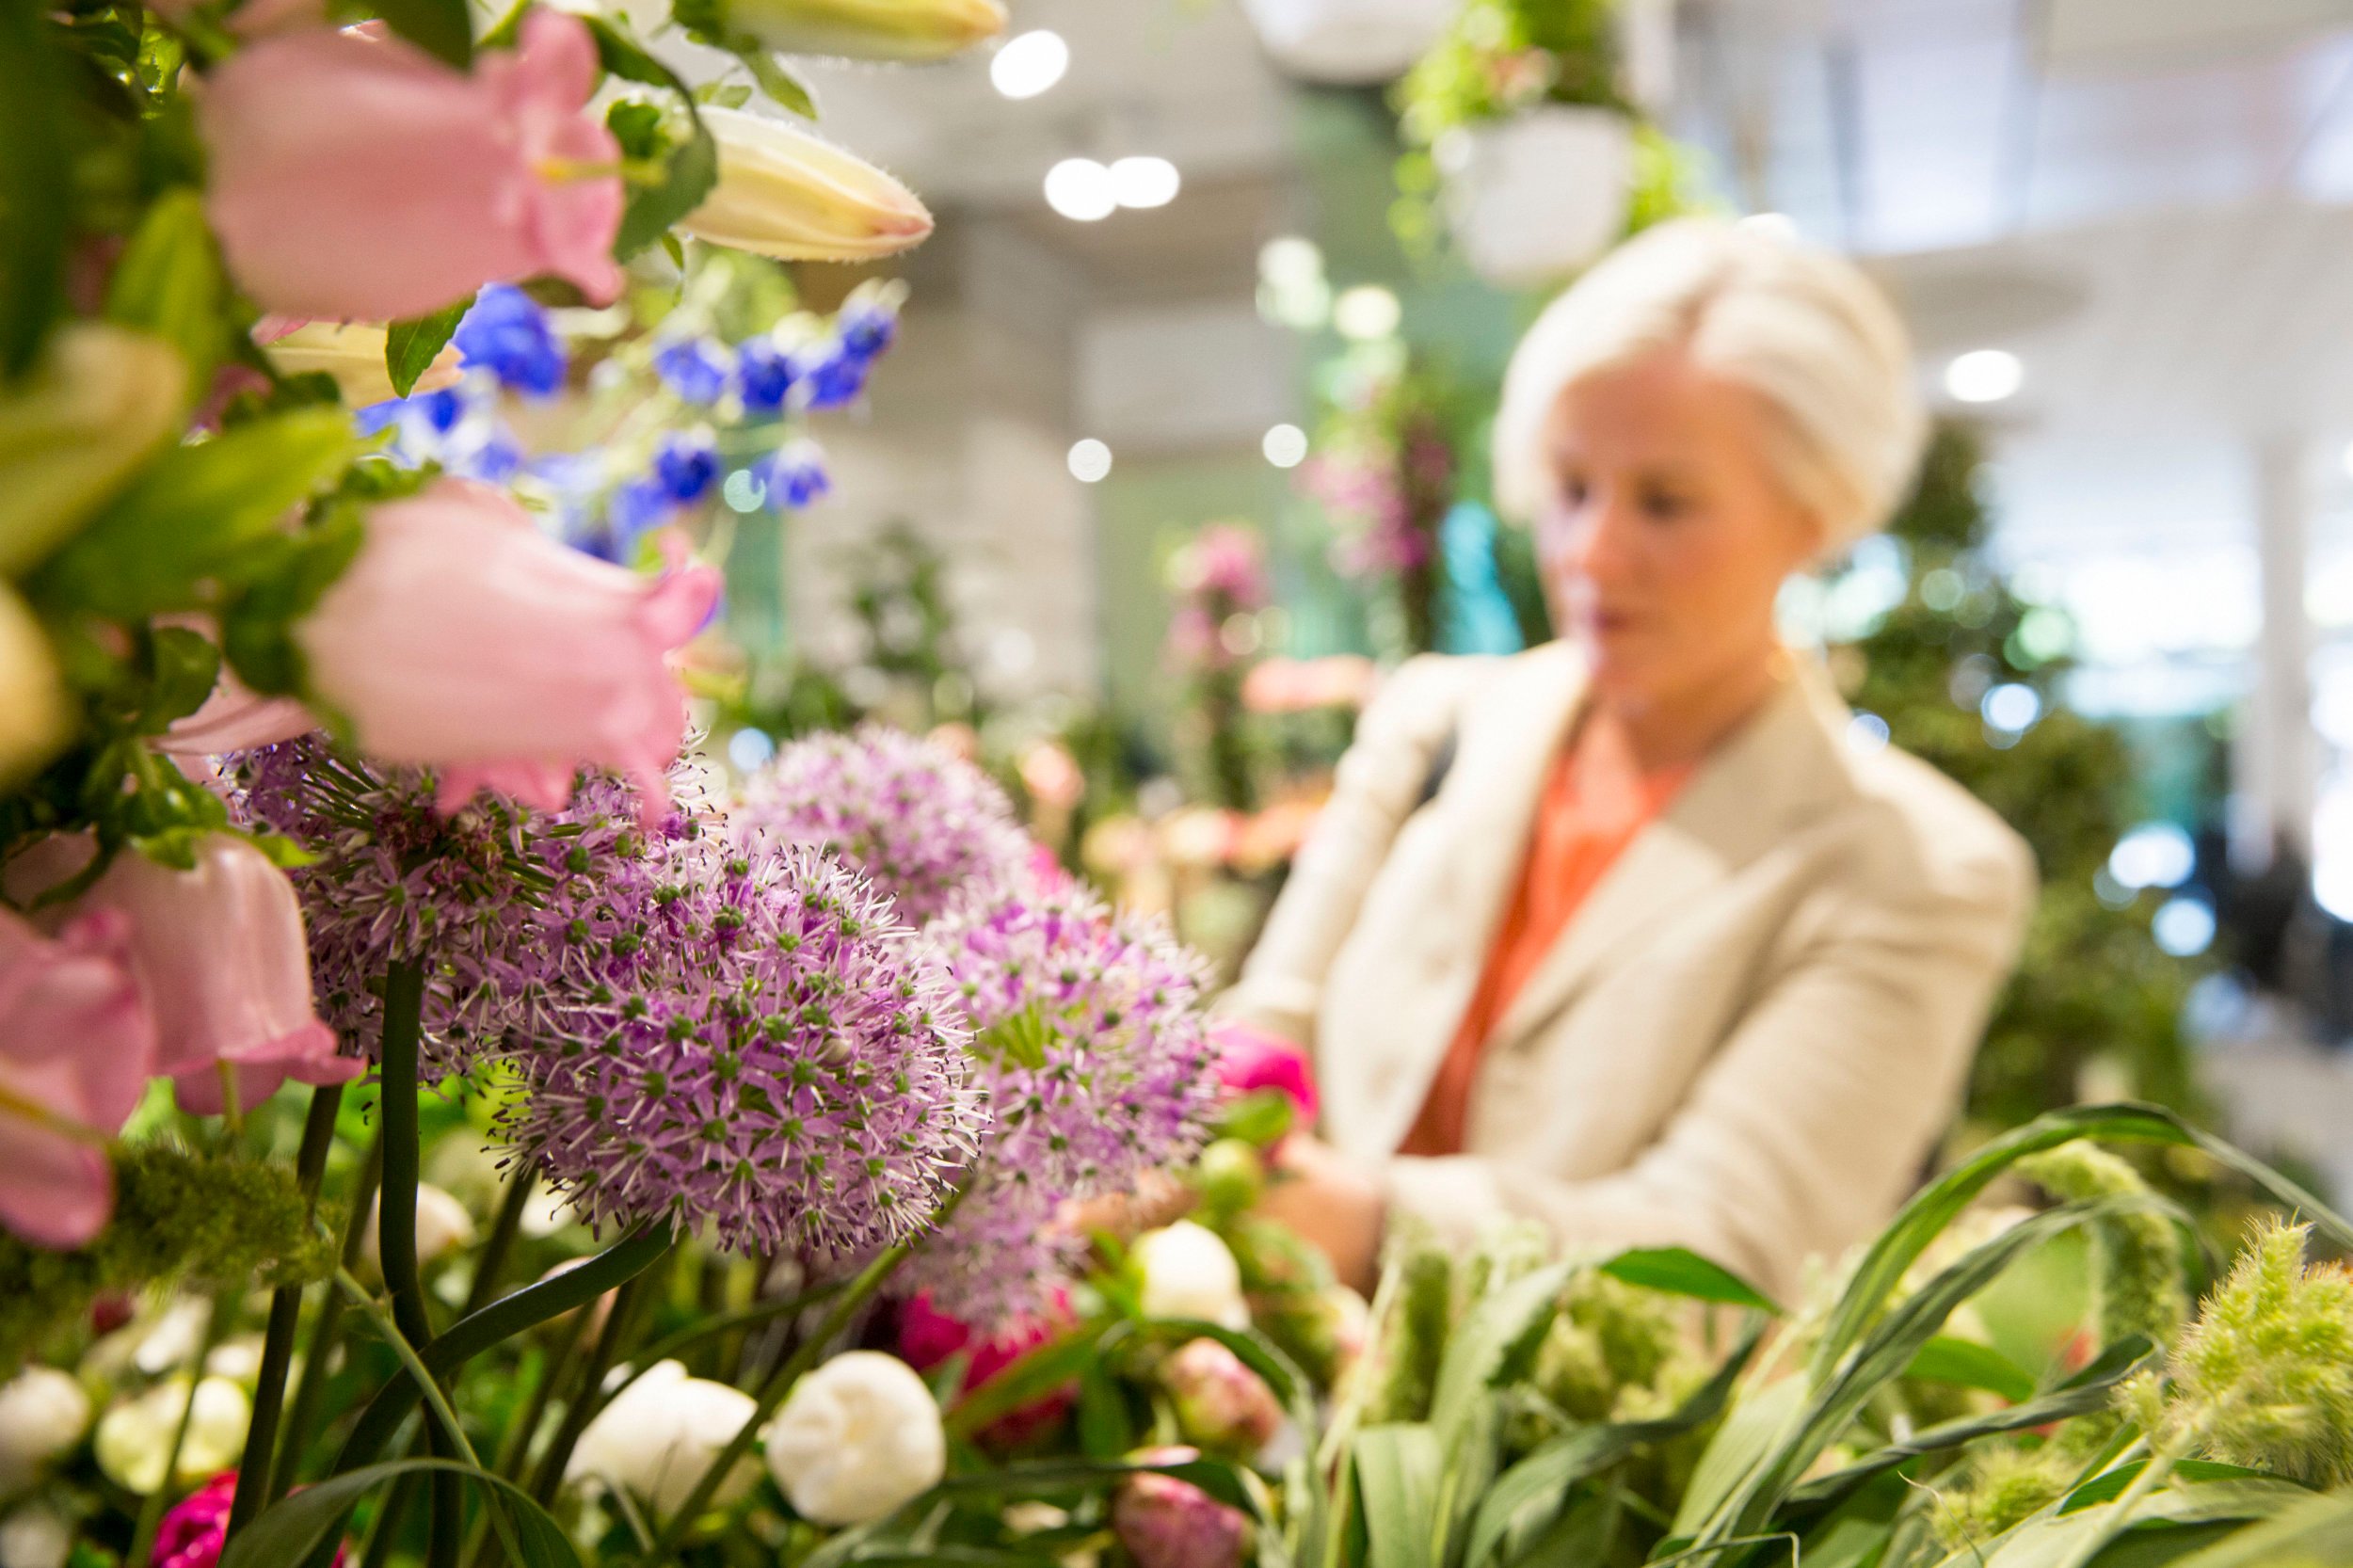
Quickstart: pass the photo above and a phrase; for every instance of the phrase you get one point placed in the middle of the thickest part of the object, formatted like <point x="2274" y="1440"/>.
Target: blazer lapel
<point x="1766" y="777"/>
<point x="1394" y="1017"/>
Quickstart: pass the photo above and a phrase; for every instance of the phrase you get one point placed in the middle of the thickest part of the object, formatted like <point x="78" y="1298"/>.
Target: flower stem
<point x="862" y="1289"/>
<point x="303" y="1414"/>
<point x="151" y="1508"/>
<point x="285" y="1307"/>
<point x="589" y="1390"/>
<point x="492" y="1262"/>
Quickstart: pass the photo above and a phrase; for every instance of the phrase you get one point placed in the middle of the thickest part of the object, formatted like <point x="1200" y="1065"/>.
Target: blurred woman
<point x="1632" y="934"/>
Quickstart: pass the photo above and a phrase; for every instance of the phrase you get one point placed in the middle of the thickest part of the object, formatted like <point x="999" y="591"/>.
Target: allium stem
<point x="303" y="1414"/>
<point x="285" y="1309"/>
<point x="618" y="1326"/>
<point x="862" y="1290"/>
<point x="492" y="1262"/>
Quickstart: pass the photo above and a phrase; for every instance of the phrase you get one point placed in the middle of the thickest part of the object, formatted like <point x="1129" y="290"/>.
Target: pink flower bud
<point x="1251" y="1059"/>
<point x="1167" y="1523"/>
<point x="77" y="1045"/>
<point x="358" y="178"/>
<point x="1220" y="1403"/>
<point x="219" y="954"/>
<point x="928" y="1337"/>
<point x="462" y="638"/>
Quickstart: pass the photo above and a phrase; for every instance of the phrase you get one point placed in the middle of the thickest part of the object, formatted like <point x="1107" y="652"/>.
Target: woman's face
<point x="1667" y="536"/>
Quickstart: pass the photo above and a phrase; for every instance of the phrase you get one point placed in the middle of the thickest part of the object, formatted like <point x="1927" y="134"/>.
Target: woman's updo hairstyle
<point x="1799" y="326"/>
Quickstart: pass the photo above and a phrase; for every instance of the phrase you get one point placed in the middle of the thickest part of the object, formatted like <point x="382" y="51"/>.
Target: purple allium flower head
<point x="775" y="1058"/>
<point x="1090" y="1036"/>
<point x="925" y="825"/>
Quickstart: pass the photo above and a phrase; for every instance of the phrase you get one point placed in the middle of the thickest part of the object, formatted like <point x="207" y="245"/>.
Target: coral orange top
<point x="1596" y="800"/>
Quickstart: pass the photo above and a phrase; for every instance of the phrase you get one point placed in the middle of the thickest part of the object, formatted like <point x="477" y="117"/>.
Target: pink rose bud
<point x="928" y="1337"/>
<point x="77" y="1045"/>
<point x="219" y="954"/>
<point x="1220" y="1403"/>
<point x="462" y="638"/>
<point x="358" y="178"/>
<point x="1167" y="1523"/>
<point x="1251" y="1059"/>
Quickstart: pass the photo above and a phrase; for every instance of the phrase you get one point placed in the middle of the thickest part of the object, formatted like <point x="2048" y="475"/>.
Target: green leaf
<point x="169" y="283"/>
<point x="1497" y="1336"/>
<point x="35" y="183"/>
<point x="1026" y="1379"/>
<point x="186" y="667"/>
<point x="1680" y="1271"/>
<point x="1028" y="1479"/>
<point x="692" y="165"/>
<point x="1556" y="1466"/>
<point x="412" y="346"/>
<point x="2314" y="1533"/>
<point x="257" y="630"/>
<point x="437" y="27"/>
<point x="290" y="1531"/>
<point x="2109" y="1484"/>
<point x="2054" y="1541"/>
<point x="187" y="518"/>
<point x="1259" y="1119"/>
<point x="1398" y="1473"/>
<point x="1106" y="1430"/>
<point x="1971" y="1364"/>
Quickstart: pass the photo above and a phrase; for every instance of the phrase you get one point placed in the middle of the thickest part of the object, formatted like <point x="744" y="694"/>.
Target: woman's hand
<point x="1330" y="1204"/>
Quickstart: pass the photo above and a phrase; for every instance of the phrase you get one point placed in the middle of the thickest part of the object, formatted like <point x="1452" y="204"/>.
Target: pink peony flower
<point x="463" y="639"/>
<point x="77" y="1045"/>
<point x="359" y="178"/>
<point x="1167" y="1523"/>
<point x="928" y="1337"/>
<point x="1251" y="1059"/>
<point x="1220" y="1403"/>
<point x="196" y="1531"/>
<point x="218" y="952"/>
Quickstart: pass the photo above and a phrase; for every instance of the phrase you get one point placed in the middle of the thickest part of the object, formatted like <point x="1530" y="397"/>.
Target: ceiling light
<point x="1289" y="262"/>
<point x="1145" y="182"/>
<point x="1030" y="64"/>
<point x="1984" y="375"/>
<point x="1090" y="460"/>
<point x="1080" y="190"/>
<point x="1285" y="445"/>
<point x="1367" y="313"/>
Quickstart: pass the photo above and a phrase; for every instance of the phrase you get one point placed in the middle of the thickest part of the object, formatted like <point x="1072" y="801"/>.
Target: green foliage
<point x="412" y="346"/>
<point x="2091" y="983"/>
<point x="1413" y="1333"/>
<point x="1501" y="55"/>
<point x="180" y="1218"/>
<point x="2138" y="1286"/>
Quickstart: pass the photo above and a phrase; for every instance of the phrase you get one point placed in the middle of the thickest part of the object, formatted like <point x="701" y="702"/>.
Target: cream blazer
<point x="1747" y="1041"/>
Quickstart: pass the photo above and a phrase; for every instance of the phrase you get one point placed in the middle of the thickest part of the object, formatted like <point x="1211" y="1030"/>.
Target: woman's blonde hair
<point x="1802" y="328"/>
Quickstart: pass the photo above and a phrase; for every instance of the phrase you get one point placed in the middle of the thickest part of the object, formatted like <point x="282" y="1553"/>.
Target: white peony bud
<point x="787" y="194"/>
<point x="44" y="1412"/>
<point x="857" y="1437"/>
<point x="442" y="1225"/>
<point x="134" y="1441"/>
<point x="1188" y="1272"/>
<point x="658" y="1437"/>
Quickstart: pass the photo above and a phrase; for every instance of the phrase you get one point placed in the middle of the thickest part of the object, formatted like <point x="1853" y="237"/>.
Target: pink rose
<point x="1167" y="1523"/>
<point x="928" y="1337"/>
<point x="219" y="954"/>
<point x="77" y="1045"/>
<point x="196" y="1531"/>
<point x="1251" y="1059"/>
<point x="356" y="178"/>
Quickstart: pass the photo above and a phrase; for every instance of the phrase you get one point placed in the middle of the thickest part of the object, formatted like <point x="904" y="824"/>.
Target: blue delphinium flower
<point x="439" y="411"/>
<point x="695" y="369"/>
<point x="640" y="505"/>
<point x="686" y="464"/>
<point x="866" y="324"/>
<point x="507" y="334"/>
<point x="795" y="474"/>
<point x="831" y="376"/>
<point x="763" y="374"/>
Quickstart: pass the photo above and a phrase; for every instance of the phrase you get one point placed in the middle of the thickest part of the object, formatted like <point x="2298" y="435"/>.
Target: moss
<point x="181" y="1218"/>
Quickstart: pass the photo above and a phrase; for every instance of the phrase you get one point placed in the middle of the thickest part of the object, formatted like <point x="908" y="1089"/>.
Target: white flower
<point x="353" y="353"/>
<point x="44" y="1412"/>
<point x="134" y="1437"/>
<point x="1188" y="1272"/>
<point x="784" y="193"/>
<point x="34" y="1537"/>
<point x="442" y="1225"/>
<point x="659" y="1437"/>
<point x="857" y="1437"/>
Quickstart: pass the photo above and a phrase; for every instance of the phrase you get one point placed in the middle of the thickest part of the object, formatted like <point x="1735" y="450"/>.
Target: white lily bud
<point x="36" y="714"/>
<point x="1188" y="1272"/>
<point x="353" y="353"/>
<point x="442" y="1225"/>
<point x="660" y="1433"/>
<point x="862" y="29"/>
<point x="133" y="1442"/>
<point x="857" y="1437"/>
<point x="784" y="193"/>
<point x="44" y="1412"/>
<point x="101" y="399"/>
